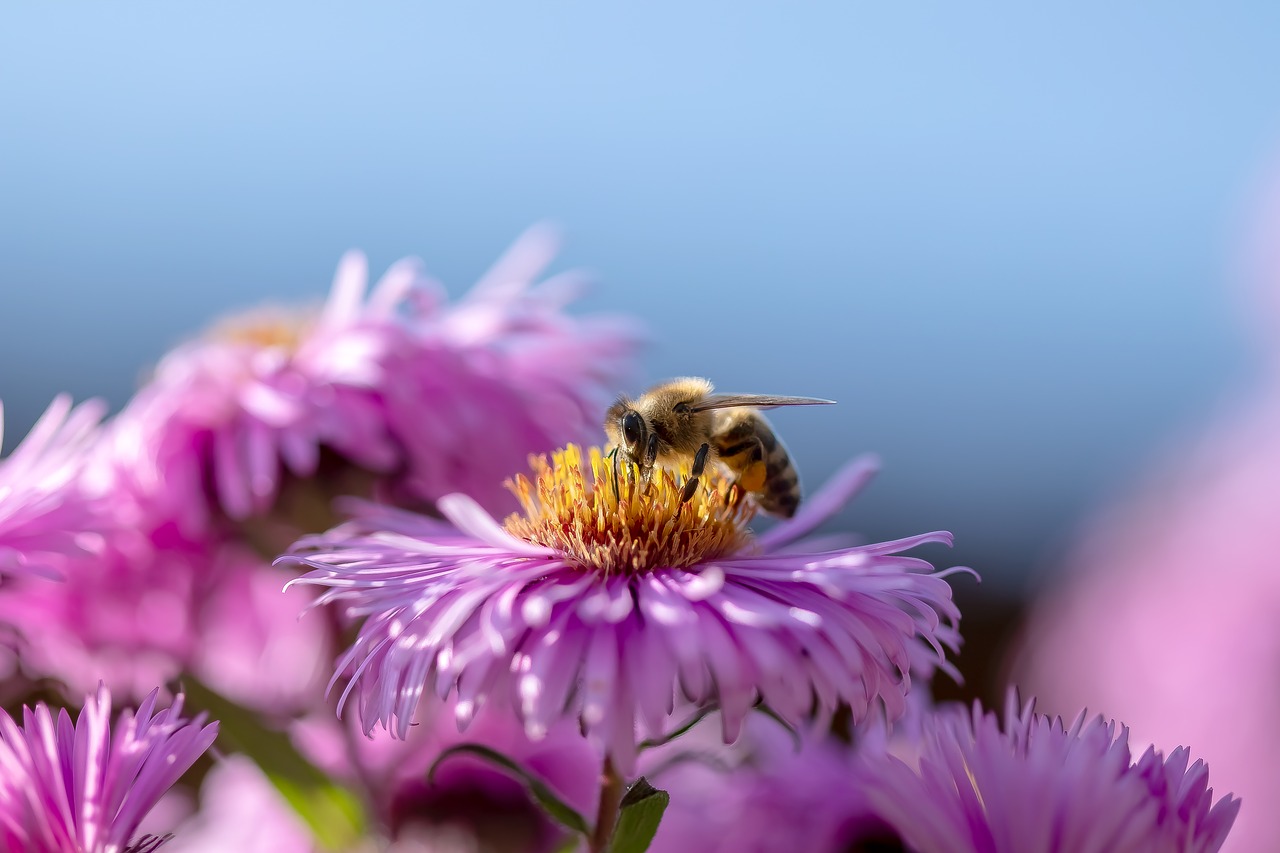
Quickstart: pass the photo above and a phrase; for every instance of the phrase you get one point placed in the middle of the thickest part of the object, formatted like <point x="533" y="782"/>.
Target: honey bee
<point x="683" y="421"/>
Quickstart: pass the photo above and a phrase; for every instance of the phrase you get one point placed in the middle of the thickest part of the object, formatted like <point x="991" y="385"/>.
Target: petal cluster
<point x="1033" y="784"/>
<point x="1196" y="539"/>
<point x="86" y="786"/>
<point x="772" y="792"/>
<point x="392" y="379"/>
<point x="152" y="604"/>
<point x="45" y="514"/>
<point x="461" y="606"/>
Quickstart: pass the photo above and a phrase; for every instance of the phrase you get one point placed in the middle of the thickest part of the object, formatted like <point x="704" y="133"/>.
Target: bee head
<point x="627" y="429"/>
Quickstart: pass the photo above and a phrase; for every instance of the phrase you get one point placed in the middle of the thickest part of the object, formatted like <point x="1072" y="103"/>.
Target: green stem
<point x="612" y="787"/>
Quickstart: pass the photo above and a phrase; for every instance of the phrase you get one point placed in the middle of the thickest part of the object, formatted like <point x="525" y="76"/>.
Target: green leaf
<point x="333" y="812"/>
<point x="640" y="813"/>
<point x="541" y="792"/>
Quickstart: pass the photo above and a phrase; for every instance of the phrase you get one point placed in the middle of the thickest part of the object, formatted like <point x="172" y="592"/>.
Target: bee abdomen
<point x="747" y="445"/>
<point x="781" y="492"/>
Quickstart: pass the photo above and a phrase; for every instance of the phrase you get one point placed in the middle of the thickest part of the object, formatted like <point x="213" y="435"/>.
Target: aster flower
<point x="473" y="801"/>
<point x="241" y="810"/>
<point x="778" y="791"/>
<point x="44" y="514"/>
<point x="152" y="604"/>
<point x="395" y="381"/>
<point x="502" y="373"/>
<point x="1195" y="542"/>
<point x="467" y="801"/>
<point x="609" y="604"/>
<point x="1035" y="784"/>
<point x="463" y="788"/>
<point x="262" y="394"/>
<point x="85" y="788"/>
<point x="765" y="794"/>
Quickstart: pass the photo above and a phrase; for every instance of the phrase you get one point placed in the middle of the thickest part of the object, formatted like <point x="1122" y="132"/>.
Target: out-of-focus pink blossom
<point x="764" y="794"/>
<point x="45" y="513"/>
<point x="777" y="790"/>
<point x="502" y="373"/>
<point x="1166" y="616"/>
<point x="154" y="604"/>
<point x="241" y="811"/>
<point x="953" y="781"/>
<point x="1165" y="613"/>
<point x="1030" y="784"/>
<point x="432" y="396"/>
<point x="226" y="415"/>
<point x="470" y="804"/>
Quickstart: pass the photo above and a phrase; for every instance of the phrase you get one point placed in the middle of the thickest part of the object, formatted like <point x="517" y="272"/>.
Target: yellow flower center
<point x="265" y="328"/>
<point x="614" y="524"/>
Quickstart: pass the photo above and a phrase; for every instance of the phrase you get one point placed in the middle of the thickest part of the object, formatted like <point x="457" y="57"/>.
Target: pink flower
<point x="470" y="798"/>
<point x="45" y="514"/>
<point x="241" y="810"/>
<point x="764" y="794"/>
<point x="469" y="803"/>
<point x="1034" y="785"/>
<point x="82" y="787"/>
<point x="502" y="373"/>
<point x="227" y="415"/>
<point x="1167" y="615"/>
<point x="154" y="604"/>
<point x="431" y="397"/>
<point x="610" y="606"/>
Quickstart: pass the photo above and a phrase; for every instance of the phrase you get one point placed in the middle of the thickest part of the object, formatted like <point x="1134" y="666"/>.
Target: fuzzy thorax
<point x="617" y="526"/>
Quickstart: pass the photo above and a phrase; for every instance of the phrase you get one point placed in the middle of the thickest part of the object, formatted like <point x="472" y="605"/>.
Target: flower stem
<point x="612" y="787"/>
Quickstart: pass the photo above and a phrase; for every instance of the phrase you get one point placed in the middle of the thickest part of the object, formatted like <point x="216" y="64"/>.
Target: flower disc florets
<point x="604" y="518"/>
<point x="265" y="328"/>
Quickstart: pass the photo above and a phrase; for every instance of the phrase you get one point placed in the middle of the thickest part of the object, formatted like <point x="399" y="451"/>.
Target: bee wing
<point x="755" y="401"/>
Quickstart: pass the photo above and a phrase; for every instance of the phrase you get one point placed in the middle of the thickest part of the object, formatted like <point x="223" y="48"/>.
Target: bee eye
<point x="632" y="427"/>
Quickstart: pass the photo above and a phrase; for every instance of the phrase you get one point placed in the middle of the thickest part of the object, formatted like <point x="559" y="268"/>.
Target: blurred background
<point x="1007" y="241"/>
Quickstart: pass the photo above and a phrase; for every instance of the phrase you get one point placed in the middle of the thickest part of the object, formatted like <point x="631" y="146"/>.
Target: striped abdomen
<point x="747" y="446"/>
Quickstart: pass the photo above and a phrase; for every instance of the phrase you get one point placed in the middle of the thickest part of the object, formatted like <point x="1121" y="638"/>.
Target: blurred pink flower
<point x="779" y="791"/>
<point x="436" y="397"/>
<point x="154" y="604"/>
<point x="1167" y="617"/>
<point x="240" y="810"/>
<point x="45" y="514"/>
<point x="503" y="373"/>
<point x="473" y="799"/>
<point x="1033" y="785"/>
<point x="83" y="787"/>
<point x="261" y="394"/>
<point x="470" y="805"/>
<point x="763" y="794"/>
<point x="948" y="781"/>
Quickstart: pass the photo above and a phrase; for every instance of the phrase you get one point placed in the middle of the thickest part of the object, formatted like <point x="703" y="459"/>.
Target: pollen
<point x="606" y="519"/>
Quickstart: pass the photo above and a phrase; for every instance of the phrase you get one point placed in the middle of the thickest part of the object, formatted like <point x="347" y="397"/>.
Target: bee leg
<point x="650" y="458"/>
<point x="613" y="456"/>
<point x="699" y="465"/>
<point x="749" y="460"/>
